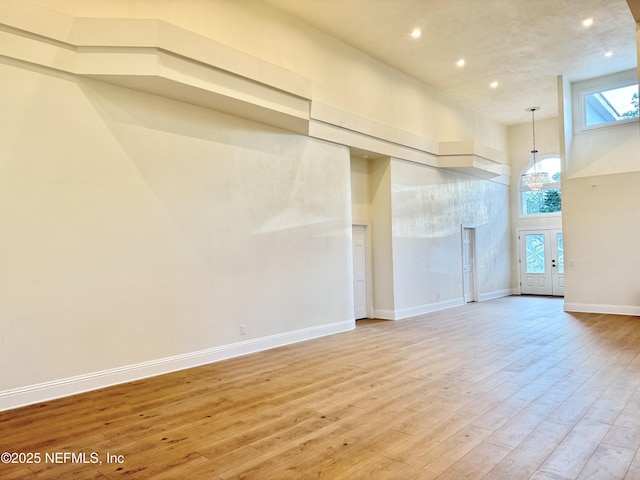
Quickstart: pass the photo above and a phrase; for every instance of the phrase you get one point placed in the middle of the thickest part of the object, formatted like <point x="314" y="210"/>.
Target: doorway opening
<point x="361" y="283"/>
<point x="468" y="264"/>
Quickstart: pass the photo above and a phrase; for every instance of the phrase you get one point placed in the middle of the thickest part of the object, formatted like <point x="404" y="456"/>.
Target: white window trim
<point x="585" y="87"/>
<point x="582" y="94"/>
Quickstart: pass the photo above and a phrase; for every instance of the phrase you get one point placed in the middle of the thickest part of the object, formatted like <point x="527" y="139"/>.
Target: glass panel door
<point x="535" y="257"/>
<point x="560" y="248"/>
<point x="541" y="262"/>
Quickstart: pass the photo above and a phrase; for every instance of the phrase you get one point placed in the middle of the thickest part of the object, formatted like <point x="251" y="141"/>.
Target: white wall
<point x="416" y="215"/>
<point x="602" y="228"/>
<point x="605" y="150"/>
<point x="137" y="228"/>
<point x="360" y="190"/>
<point x="600" y="197"/>
<point x="520" y="146"/>
<point x="429" y="207"/>
<point x="599" y="206"/>
<point x="381" y="235"/>
<point x="142" y="232"/>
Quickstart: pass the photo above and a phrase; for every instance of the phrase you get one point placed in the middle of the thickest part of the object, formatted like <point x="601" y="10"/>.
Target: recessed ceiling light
<point x="461" y="62"/>
<point x="587" y="22"/>
<point x="416" y="33"/>
<point x="493" y="84"/>
<point x="609" y="54"/>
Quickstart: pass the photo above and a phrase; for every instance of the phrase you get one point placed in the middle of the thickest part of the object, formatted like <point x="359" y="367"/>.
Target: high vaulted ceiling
<point x="521" y="44"/>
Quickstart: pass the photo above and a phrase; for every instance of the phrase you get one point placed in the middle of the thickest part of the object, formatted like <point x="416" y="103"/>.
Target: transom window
<point x="610" y="105"/>
<point x="547" y="199"/>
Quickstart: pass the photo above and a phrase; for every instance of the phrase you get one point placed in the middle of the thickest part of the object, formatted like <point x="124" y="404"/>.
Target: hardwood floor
<point x="508" y="389"/>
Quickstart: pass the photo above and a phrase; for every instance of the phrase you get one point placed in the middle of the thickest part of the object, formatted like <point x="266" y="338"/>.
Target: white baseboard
<point x="609" y="309"/>
<point x="483" y="297"/>
<point x="30" y="394"/>
<point x="434" y="307"/>
<point x="384" y="314"/>
<point x="431" y="307"/>
<point x="416" y="311"/>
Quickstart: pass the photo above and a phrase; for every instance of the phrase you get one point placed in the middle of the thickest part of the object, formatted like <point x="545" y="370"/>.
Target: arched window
<point x="546" y="199"/>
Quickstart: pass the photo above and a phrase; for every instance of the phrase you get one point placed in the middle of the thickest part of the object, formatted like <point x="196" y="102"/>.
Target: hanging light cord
<point x="533" y="128"/>
<point x="534" y="179"/>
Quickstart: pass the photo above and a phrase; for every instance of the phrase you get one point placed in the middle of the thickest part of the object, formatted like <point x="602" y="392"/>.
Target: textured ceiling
<point x="522" y="44"/>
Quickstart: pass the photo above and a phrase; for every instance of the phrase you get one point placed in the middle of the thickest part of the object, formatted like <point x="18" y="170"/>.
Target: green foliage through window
<point x="635" y="111"/>
<point x="611" y="105"/>
<point x="549" y="198"/>
<point x="541" y="201"/>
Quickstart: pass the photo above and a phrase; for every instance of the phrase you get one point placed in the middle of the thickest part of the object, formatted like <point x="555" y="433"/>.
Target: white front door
<point x="359" y="272"/>
<point x="557" y="263"/>
<point x="468" y="250"/>
<point x="541" y="262"/>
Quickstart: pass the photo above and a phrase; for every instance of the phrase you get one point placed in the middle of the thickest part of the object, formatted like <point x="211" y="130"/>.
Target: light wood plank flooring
<point x="508" y="389"/>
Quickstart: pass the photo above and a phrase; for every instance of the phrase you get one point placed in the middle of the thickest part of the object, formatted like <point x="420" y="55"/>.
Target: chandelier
<point x="535" y="179"/>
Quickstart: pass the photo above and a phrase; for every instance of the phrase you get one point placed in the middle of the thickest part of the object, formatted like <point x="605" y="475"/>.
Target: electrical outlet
<point x="243" y="329"/>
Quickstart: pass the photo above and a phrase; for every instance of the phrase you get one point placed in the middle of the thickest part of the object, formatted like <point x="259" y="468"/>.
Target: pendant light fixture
<point x="535" y="179"/>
